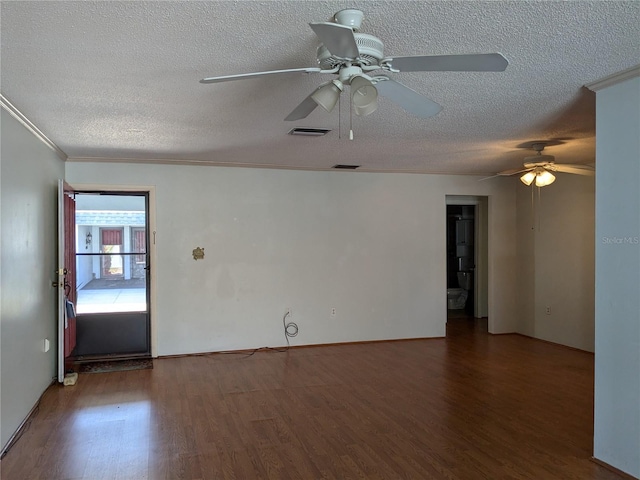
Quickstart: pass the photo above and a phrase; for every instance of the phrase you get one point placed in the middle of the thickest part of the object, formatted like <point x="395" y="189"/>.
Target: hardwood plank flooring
<point x="471" y="406"/>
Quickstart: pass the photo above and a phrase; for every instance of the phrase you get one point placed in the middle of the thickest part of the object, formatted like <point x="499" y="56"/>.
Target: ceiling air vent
<point x="345" y="167"/>
<point x="309" y="131"/>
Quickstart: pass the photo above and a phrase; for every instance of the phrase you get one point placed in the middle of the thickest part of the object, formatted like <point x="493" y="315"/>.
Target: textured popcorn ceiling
<point x="119" y="80"/>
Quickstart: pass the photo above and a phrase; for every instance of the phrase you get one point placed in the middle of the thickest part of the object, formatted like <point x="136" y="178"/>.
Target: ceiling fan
<point x="539" y="168"/>
<point x="354" y="57"/>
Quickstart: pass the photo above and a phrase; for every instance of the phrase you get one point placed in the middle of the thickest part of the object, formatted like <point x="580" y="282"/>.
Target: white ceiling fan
<point x="355" y="57"/>
<point x="539" y="168"/>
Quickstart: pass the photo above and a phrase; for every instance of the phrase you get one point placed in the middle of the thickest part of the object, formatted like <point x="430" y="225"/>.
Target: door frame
<point x="481" y="248"/>
<point x="65" y="325"/>
<point x="151" y="248"/>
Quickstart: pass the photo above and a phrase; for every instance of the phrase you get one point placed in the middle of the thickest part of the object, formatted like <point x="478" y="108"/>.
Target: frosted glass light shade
<point x="528" y="178"/>
<point x="364" y="96"/>
<point x="327" y="95"/>
<point x="545" y="178"/>
<point x="541" y="176"/>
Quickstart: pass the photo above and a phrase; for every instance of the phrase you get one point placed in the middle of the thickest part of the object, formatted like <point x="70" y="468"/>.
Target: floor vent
<point x="345" y="167"/>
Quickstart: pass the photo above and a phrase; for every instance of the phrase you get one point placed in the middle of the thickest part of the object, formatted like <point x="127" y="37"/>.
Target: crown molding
<point x="615" y="78"/>
<point x="20" y="117"/>
<point x="210" y="163"/>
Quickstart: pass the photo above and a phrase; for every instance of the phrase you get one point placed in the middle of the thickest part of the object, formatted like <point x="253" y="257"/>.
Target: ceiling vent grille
<point x="345" y="167"/>
<point x="309" y="131"/>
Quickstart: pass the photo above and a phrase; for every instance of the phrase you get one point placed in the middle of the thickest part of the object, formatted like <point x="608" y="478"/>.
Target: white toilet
<point x="457" y="297"/>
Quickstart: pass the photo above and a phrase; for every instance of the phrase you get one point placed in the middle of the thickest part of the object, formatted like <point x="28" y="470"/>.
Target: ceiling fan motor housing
<point x="349" y="17"/>
<point x="536" y="160"/>
<point x="370" y="48"/>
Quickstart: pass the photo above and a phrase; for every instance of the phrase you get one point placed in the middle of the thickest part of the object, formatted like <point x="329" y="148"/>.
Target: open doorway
<point x="112" y="275"/>
<point x="467" y="256"/>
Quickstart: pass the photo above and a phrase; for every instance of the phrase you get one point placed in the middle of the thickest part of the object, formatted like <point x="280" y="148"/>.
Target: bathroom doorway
<point x="467" y="254"/>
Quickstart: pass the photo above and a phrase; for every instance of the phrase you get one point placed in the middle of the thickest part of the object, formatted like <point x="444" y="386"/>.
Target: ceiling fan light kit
<point x="352" y="55"/>
<point x="539" y="168"/>
<point x="541" y="176"/>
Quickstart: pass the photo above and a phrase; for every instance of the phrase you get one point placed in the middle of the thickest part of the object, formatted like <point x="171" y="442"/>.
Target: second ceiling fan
<point x="355" y="57"/>
<point x="538" y="169"/>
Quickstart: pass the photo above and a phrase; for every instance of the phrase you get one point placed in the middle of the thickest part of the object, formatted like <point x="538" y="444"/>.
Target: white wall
<point x="617" y="366"/>
<point x="370" y="245"/>
<point x="526" y="260"/>
<point x="29" y="172"/>
<point x="556" y="258"/>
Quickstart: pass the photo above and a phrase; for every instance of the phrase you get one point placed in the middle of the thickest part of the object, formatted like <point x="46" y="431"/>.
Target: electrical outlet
<point x="333" y="312"/>
<point x="46" y="345"/>
<point x="548" y="310"/>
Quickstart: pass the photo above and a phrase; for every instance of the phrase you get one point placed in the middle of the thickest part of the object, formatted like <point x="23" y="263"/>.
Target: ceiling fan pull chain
<point x="538" y="209"/>
<point x="533" y="210"/>
<point x="350" y="119"/>
<point x="340" y="117"/>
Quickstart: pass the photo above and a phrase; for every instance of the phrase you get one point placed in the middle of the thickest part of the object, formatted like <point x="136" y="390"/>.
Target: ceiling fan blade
<point x="482" y="62"/>
<point x="513" y="171"/>
<point x="338" y="39"/>
<point x="307" y="106"/>
<point x="242" y="76"/>
<point x="488" y="178"/>
<point x="506" y="173"/>
<point x="410" y="100"/>
<point x="575" y="169"/>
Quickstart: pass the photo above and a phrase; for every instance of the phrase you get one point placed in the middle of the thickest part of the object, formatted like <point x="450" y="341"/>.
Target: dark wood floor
<point x="471" y="406"/>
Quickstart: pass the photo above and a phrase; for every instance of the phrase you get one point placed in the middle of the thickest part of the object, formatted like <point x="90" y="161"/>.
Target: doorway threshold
<point x="80" y="359"/>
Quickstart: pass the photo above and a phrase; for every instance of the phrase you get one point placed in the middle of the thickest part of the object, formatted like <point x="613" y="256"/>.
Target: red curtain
<point x="111" y="237"/>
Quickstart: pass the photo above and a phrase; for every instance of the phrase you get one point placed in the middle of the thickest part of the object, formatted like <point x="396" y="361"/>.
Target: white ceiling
<point x="120" y="80"/>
